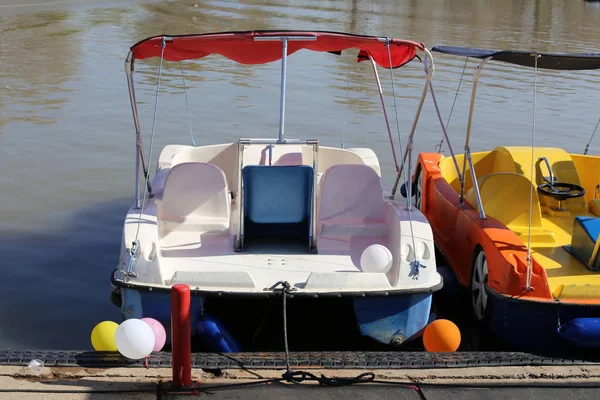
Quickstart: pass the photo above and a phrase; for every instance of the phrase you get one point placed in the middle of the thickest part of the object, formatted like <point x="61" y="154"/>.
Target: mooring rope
<point x="284" y="289"/>
<point x="529" y="260"/>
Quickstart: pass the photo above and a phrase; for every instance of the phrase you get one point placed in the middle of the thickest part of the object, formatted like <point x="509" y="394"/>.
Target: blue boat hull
<point x="157" y="305"/>
<point x="536" y="326"/>
<point x="393" y="320"/>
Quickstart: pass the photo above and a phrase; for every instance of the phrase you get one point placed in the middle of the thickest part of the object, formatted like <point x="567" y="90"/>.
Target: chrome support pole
<point x="284" y="51"/>
<point x="429" y="70"/>
<point x="239" y="243"/>
<point x="475" y="184"/>
<point x="468" y="138"/>
<point x="283" y="82"/>
<point x="137" y="175"/>
<point x="136" y="122"/>
<point x="313" y="217"/>
<point x="139" y="157"/>
<point x="275" y="141"/>
<point x="129" y="72"/>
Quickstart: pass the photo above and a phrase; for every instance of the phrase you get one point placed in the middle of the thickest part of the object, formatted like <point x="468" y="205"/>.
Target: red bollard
<point x="181" y="335"/>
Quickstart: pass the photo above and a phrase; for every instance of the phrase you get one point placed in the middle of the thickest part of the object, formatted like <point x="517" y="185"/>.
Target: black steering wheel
<point x="561" y="190"/>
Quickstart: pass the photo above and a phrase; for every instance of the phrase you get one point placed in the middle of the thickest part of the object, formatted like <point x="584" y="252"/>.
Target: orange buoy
<point x="441" y="335"/>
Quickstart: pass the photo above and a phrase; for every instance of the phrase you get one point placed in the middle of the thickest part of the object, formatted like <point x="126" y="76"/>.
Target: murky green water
<point x="67" y="139"/>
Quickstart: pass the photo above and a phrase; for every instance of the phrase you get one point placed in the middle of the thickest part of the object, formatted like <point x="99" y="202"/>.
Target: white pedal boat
<point x="242" y="220"/>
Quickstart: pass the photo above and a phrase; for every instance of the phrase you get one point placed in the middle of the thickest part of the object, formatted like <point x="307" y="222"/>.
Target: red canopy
<point x="241" y="46"/>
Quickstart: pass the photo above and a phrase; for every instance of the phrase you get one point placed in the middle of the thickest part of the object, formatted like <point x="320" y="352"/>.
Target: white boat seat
<point x="195" y="198"/>
<point x="351" y="202"/>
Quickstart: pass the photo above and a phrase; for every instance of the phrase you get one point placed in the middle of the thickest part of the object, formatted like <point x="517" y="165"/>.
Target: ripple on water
<point x="67" y="135"/>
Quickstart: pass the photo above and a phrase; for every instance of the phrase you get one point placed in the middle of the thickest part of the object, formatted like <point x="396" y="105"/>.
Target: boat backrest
<point x="505" y="197"/>
<point x="195" y="192"/>
<point x="277" y="194"/>
<point x="351" y="194"/>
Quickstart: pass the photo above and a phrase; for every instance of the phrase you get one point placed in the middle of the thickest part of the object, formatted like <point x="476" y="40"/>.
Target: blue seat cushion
<point x="277" y="194"/>
<point x="584" y="237"/>
<point x="591" y="225"/>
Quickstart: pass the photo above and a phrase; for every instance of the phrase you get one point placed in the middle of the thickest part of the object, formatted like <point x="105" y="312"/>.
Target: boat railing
<point x="242" y="143"/>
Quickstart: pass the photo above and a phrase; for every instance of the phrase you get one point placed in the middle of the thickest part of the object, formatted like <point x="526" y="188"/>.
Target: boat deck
<point x="561" y="267"/>
<point x="263" y="263"/>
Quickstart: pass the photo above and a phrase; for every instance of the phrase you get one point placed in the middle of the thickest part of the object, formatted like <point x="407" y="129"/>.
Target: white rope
<point x="187" y="106"/>
<point x="587" y="146"/>
<point x="451" y="110"/>
<point x="408" y="184"/>
<point x="444" y="132"/>
<point x="385" y="116"/>
<point x="162" y="53"/>
<point x="529" y="261"/>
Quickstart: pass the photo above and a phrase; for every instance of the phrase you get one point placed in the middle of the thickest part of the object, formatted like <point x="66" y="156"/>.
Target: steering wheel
<point x="561" y="190"/>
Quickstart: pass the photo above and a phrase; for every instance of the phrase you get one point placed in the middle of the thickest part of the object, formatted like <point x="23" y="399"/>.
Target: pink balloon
<point x="160" y="334"/>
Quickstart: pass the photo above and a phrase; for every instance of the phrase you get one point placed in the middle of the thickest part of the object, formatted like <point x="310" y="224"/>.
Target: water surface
<point x="67" y="136"/>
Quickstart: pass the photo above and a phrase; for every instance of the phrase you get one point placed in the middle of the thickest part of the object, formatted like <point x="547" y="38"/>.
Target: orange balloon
<point x="441" y="335"/>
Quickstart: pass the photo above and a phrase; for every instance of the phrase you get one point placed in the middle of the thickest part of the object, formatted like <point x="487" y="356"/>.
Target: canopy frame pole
<point x="429" y="70"/>
<point x="387" y="122"/>
<point x="467" y="156"/>
<point x="139" y="144"/>
<point x="284" y="51"/>
<point x="283" y="84"/>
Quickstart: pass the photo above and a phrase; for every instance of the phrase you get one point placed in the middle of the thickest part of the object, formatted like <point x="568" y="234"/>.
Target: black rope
<point x="284" y="290"/>
<point x="301" y="376"/>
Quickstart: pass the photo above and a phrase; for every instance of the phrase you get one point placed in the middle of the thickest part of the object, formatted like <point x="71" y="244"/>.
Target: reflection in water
<point x="67" y="134"/>
<point x="34" y="70"/>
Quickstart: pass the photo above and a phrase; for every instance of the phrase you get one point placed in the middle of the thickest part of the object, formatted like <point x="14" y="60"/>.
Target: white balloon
<point x="134" y="339"/>
<point x="376" y="258"/>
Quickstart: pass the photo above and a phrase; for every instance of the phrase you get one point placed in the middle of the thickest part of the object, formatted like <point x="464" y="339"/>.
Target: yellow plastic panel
<point x="594" y="206"/>
<point x="588" y="169"/>
<point x="505" y="196"/>
<point x="580" y="292"/>
<point x="562" y="165"/>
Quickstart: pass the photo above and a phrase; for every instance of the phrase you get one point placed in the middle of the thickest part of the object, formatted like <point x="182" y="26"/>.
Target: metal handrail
<point x="467" y="156"/>
<point x="242" y="143"/>
<point x="139" y="144"/>
<point x="552" y="177"/>
<point x="429" y="70"/>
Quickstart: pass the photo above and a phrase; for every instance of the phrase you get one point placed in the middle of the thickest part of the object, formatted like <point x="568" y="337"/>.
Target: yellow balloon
<point x="103" y="336"/>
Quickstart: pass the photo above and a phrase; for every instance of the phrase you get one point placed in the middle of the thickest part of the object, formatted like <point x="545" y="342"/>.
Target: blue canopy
<point x="557" y="61"/>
